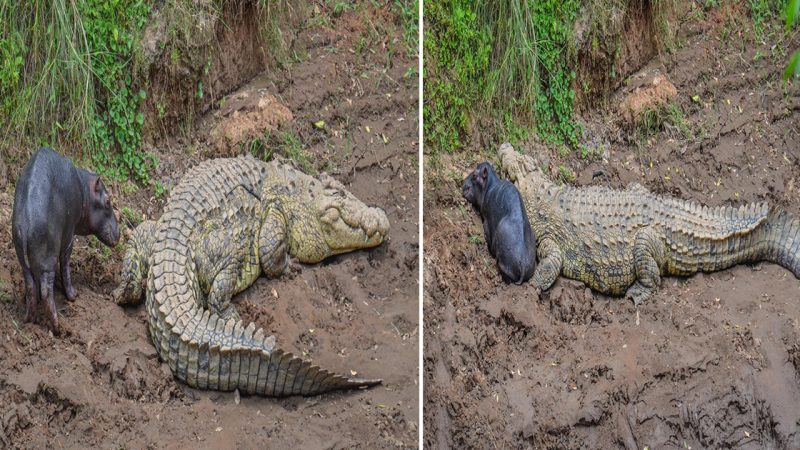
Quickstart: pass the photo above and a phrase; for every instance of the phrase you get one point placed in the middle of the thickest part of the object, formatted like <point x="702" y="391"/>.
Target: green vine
<point x="112" y="29"/>
<point x="505" y="66"/>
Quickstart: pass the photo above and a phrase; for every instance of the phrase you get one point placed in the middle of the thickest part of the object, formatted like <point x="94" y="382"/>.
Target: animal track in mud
<point x="13" y="418"/>
<point x="58" y="409"/>
<point x="573" y="303"/>
<point x="794" y="357"/>
<point x="685" y="372"/>
<point x="748" y="346"/>
<point x="727" y="419"/>
<point x="307" y="342"/>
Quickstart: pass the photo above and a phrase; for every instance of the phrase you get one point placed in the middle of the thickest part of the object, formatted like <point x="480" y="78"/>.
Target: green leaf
<point x="793" y="69"/>
<point x="140" y="118"/>
<point x="792" y="8"/>
<point x="320" y="124"/>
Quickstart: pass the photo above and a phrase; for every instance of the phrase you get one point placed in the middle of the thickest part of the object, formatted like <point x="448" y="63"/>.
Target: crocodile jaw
<point x="348" y="229"/>
<point x="329" y="220"/>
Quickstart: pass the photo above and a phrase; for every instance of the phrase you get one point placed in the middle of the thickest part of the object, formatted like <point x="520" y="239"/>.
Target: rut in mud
<point x="710" y="361"/>
<point x="100" y="384"/>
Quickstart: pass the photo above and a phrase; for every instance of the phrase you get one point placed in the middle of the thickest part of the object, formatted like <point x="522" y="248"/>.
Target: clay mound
<point x="248" y="116"/>
<point x="654" y="92"/>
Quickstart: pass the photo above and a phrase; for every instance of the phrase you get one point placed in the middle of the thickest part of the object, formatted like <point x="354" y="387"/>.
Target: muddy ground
<point x="100" y="383"/>
<point x="711" y="361"/>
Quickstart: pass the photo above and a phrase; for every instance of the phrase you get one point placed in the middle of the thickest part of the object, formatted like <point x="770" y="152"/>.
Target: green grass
<point x="133" y="216"/>
<point x="503" y="66"/>
<point x="565" y="174"/>
<point x="66" y="81"/>
<point x="764" y="13"/>
<point x="409" y="18"/>
<point x="792" y="13"/>
<point x="46" y="81"/>
<point x="668" y="118"/>
<point x="284" y="143"/>
<point x="71" y="73"/>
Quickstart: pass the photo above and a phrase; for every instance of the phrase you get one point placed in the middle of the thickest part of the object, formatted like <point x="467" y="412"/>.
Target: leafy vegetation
<point x="72" y="73"/>
<point x="112" y="29"/>
<point x="763" y="13"/>
<point x="457" y="50"/>
<point x="285" y="143"/>
<point x="507" y="63"/>
<point x="792" y="11"/>
<point x="65" y="79"/>
<point x="668" y="118"/>
<point x="409" y="12"/>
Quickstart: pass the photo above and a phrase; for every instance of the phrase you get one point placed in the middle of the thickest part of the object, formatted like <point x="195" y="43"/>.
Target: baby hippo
<point x="54" y="200"/>
<point x="505" y="223"/>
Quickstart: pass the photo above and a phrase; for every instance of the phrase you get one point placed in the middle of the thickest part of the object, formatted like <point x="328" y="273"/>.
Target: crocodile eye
<point x="331" y="215"/>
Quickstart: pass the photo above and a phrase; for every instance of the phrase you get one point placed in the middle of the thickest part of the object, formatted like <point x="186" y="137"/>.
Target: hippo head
<point x="324" y="219"/>
<point x="476" y="182"/>
<point x="100" y="217"/>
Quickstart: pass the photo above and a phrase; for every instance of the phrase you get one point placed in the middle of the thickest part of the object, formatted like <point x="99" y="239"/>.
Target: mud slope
<point x="709" y="362"/>
<point x="100" y="384"/>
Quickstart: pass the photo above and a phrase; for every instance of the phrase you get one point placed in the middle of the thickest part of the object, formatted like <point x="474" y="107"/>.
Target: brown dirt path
<point x="709" y="362"/>
<point x="100" y="384"/>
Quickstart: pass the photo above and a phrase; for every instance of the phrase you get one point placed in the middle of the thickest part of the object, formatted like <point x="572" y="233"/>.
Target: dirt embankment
<point x="101" y="384"/>
<point x="710" y="361"/>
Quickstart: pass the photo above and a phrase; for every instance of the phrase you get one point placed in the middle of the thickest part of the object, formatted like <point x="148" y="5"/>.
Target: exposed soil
<point x="100" y="383"/>
<point x="710" y="361"/>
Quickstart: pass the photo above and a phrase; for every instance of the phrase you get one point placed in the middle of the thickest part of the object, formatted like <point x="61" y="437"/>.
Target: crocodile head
<point x="523" y="171"/>
<point x="328" y="220"/>
<point x="134" y="264"/>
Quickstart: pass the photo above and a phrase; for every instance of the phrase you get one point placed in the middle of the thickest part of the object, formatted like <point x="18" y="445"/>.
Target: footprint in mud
<point x="573" y="303"/>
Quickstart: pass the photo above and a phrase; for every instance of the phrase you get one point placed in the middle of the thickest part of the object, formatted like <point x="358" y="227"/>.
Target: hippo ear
<point x="484" y="173"/>
<point x="94" y="187"/>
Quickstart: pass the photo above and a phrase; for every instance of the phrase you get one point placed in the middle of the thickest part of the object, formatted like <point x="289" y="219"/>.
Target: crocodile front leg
<point x="648" y="257"/>
<point x="272" y="250"/>
<point x="549" y="267"/>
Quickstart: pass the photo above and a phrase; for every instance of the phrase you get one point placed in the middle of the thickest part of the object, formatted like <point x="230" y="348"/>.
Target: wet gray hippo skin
<point x="505" y="222"/>
<point x="54" y="201"/>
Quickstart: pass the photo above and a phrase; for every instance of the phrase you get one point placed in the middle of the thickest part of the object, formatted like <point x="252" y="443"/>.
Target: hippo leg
<point x="66" y="277"/>
<point x="31" y="295"/>
<point x="46" y="281"/>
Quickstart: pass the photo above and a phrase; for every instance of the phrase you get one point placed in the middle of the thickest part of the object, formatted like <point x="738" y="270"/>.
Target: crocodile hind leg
<point x="272" y="250"/>
<point x="222" y="289"/>
<point x="648" y="257"/>
<point x="549" y="266"/>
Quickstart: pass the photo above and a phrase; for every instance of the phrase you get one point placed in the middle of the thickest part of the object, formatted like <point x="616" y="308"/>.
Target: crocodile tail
<point x="281" y="374"/>
<point x="218" y="354"/>
<point x="782" y="240"/>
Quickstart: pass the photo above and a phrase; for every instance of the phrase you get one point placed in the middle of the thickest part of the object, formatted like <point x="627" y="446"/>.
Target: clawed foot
<point x="293" y="267"/>
<point x="638" y="293"/>
<point x="229" y="313"/>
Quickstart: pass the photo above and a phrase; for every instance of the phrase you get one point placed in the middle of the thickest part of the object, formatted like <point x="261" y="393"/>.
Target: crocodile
<point x="225" y="223"/>
<point x="621" y="242"/>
